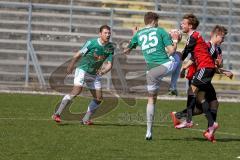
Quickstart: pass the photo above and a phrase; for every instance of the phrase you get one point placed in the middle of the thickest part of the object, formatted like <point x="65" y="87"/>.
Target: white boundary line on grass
<point x="156" y="124"/>
<point x="162" y="97"/>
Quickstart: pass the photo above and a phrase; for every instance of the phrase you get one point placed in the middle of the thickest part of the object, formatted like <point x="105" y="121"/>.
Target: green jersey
<point x="152" y="41"/>
<point x="94" y="54"/>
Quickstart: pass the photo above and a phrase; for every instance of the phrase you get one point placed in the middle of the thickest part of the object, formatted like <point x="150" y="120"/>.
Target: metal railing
<point x="111" y="11"/>
<point x="31" y="53"/>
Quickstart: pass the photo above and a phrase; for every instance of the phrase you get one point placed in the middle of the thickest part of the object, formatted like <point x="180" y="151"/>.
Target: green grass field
<point x="28" y="133"/>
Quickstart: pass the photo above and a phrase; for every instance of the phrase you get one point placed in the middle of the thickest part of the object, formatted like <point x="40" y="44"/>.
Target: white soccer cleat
<point x="184" y="124"/>
<point x="148" y="136"/>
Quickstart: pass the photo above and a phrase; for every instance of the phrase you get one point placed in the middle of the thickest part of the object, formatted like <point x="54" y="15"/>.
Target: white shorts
<point x="92" y="81"/>
<point x="155" y="75"/>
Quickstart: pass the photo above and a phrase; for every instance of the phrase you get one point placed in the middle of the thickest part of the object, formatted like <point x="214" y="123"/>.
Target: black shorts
<point x="203" y="77"/>
<point x="210" y="93"/>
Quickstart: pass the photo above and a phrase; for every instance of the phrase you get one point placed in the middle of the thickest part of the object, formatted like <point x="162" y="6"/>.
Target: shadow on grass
<point x="230" y="139"/>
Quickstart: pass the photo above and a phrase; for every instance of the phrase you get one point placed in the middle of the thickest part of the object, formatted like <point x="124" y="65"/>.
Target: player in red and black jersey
<point x="217" y="37"/>
<point x="205" y="69"/>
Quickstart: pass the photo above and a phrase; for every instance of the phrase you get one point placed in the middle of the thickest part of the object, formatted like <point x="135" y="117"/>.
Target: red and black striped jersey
<point x="216" y="53"/>
<point x="191" y="71"/>
<point x="199" y="51"/>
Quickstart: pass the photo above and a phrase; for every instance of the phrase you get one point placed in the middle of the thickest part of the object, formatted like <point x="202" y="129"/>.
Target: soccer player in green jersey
<point x="153" y="40"/>
<point x="89" y="60"/>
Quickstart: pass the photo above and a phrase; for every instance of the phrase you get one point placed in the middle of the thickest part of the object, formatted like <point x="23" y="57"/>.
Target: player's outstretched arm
<point x="135" y="29"/>
<point x="71" y="65"/>
<point x="187" y="64"/>
<point x="227" y="73"/>
<point x="184" y="67"/>
<point x="171" y="49"/>
<point x="107" y="66"/>
<point x="127" y="51"/>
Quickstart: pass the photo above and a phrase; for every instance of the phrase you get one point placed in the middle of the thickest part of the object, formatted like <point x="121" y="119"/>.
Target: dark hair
<point x="104" y="27"/>
<point x="219" y="29"/>
<point x="149" y="17"/>
<point x="192" y="20"/>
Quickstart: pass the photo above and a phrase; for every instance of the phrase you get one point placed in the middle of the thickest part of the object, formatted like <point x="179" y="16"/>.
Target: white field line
<point x="161" y="97"/>
<point x="135" y="123"/>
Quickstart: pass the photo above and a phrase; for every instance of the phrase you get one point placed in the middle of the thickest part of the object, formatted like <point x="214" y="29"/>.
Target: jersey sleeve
<point x="109" y="58"/>
<point x="189" y="47"/>
<point x="212" y="50"/>
<point x="166" y="39"/>
<point x="219" y="59"/>
<point x="134" y="42"/>
<point x="86" y="47"/>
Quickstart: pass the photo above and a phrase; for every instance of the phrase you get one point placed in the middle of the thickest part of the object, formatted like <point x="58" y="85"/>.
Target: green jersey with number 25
<point x="152" y="41"/>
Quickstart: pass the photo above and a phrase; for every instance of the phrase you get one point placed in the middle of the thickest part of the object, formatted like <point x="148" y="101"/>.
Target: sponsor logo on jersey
<point x="98" y="57"/>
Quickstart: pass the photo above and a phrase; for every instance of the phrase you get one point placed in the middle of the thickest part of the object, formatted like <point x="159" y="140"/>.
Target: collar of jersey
<point x="99" y="42"/>
<point x="148" y="26"/>
<point x="191" y="33"/>
<point x="212" y="43"/>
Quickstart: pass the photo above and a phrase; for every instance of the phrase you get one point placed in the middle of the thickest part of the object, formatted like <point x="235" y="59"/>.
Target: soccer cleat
<point x="213" y="128"/>
<point x="87" y="122"/>
<point x="173" y="92"/>
<point x="175" y="120"/>
<point x="148" y="136"/>
<point x="184" y="124"/>
<point x="210" y="137"/>
<point x="205" y="132"/>
<point x="56" y="118"/>
<point x="209" y="133"/>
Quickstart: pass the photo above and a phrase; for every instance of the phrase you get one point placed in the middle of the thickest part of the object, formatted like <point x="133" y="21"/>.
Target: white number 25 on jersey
<point x="149" y="40"/>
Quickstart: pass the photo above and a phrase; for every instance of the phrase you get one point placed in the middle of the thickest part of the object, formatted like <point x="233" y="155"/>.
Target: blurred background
<point x="38" y="37"/>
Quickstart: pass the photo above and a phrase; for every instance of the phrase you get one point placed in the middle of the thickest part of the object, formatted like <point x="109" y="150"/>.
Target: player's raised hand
<point x="182" y="73"/>
<point x="135" y="29"/>
<point x="176" y="35"/>
<point x="229" y="74"/>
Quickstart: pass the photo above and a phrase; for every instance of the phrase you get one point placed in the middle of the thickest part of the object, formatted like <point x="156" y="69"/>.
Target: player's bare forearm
<point x="175" y="35"/>
<point x="227" y="73"/>
<point x="107" y="67"/>
<point x="186" y="65"/>
<point x="135" y="29"/>
<point x="74" y="60"/>
<point x="127" y="51"/>
<point x="171" y="49"/>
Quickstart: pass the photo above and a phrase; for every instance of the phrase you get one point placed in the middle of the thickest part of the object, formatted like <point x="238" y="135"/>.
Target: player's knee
<point x="69" y="96"/>
<point x="200" y="96"/>
<point x="214" y="104"/>
<point x="76" y="91"/>
<point x="205" y="106"/>
<point x="197" y="111"/>
<point x="152" y="94"/>
<point x="152" y="98"/>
